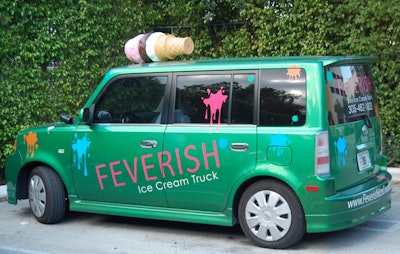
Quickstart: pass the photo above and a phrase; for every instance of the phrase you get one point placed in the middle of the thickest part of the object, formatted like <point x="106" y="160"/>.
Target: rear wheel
<point x="271" y="215"/>
<point x="46" y="195"/>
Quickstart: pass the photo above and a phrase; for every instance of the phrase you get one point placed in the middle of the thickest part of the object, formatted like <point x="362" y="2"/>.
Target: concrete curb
<point x="394" y="171"/>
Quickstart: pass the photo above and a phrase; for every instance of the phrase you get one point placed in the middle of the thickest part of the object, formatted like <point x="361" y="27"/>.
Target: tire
<point x="47" y="196"/>
<point x="271" y="215"/>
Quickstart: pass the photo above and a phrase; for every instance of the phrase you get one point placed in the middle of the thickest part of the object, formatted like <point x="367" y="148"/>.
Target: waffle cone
<point x="160" y="47"/>
<point x="178" y="46"/>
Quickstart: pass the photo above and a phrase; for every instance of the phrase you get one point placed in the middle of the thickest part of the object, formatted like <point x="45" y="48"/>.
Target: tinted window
<point x="283" y="97"/>
<point x="214" y="98"/>
<point x="243" y="99"/>
<point x="351" y="93"/>
<point x="131" y="100"/>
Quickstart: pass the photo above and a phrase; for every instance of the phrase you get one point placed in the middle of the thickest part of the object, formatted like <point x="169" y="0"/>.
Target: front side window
<point x="131" y="100"/>
<point x="351" y="93"/>
<point x="283" y="97"/>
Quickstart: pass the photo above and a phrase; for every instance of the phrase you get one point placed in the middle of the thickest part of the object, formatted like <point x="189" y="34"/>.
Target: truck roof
<point x="238" y="63"/>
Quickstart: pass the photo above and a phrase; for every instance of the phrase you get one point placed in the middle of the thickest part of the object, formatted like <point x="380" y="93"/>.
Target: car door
<point x="211" y="140"/>
<point x="116" y="158"/>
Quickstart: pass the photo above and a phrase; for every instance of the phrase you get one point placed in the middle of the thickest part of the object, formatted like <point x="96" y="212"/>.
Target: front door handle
<point x="148" y="144"/>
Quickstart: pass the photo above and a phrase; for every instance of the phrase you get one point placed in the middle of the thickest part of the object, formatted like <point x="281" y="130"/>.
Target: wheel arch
<point x="23" y="178"/>
<point x="247" y="183"/>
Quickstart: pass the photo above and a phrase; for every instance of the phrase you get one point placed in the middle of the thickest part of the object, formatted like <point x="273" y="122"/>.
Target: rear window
<point x="350" y="93"/>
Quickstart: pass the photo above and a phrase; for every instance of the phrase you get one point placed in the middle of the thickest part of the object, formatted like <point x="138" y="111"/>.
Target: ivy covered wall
<point x="54" y="53"/>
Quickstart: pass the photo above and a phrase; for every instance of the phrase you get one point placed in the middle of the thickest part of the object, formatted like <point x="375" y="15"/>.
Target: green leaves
<point x="52" y="56"/>
<point x="54" y="53"/>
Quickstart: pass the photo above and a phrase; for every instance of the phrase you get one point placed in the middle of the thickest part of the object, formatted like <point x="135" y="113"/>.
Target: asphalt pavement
<point x="79" y="233"/>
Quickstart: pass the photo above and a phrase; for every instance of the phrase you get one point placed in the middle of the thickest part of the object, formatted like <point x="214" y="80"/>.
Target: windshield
<point x="350" y="93"/>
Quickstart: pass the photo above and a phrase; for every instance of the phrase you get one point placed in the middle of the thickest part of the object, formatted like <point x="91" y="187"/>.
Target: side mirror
<point x="66" y="118"/>
<point x="87" y="116"/>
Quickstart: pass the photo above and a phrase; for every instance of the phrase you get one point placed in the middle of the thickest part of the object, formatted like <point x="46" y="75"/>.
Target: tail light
<point x="322" y="159"/>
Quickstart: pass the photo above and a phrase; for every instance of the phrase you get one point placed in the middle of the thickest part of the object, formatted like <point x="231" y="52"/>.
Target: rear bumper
<point x="353" y="206"/>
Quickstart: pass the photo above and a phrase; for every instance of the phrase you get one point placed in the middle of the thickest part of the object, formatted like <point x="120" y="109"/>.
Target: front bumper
<point x="13" y="166"/>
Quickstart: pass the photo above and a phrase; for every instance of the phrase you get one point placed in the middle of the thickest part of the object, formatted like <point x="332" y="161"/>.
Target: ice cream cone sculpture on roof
<point x="155" y="47"/>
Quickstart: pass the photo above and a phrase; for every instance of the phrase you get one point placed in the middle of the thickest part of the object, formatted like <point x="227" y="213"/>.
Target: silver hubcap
<point x="268" y="215"/>
<point x="37" y="196"/>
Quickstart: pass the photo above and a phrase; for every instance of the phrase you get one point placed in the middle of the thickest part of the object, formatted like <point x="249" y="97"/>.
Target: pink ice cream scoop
<point x="132" y="49"/>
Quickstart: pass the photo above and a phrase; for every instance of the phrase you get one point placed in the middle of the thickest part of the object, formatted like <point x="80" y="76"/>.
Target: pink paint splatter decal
<point x="213" y="104"/>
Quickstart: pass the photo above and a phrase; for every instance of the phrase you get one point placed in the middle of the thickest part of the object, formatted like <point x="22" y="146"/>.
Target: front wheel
<point x="271" y="215"/>
<point x="46" y="195"/>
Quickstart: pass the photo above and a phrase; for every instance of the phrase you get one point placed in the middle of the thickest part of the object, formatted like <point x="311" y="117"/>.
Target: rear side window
<point x="283" y="97"/>
<point x="215" y="98"/>
<point x="350" y="93"/>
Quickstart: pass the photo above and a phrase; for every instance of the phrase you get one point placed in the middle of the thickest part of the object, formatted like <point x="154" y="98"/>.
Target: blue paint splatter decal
<point x="80" y="148"/>
<point x="250" y="79"/>
<point x="279" y="141"/>
<point x="329" y="76"/>
<point x="341" y="151"/>
<point x="223" y="143"/>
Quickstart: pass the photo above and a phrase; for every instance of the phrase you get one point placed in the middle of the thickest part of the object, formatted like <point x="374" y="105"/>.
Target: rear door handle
<point x="148" y="144"/>
<point x="239" y="147"/>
